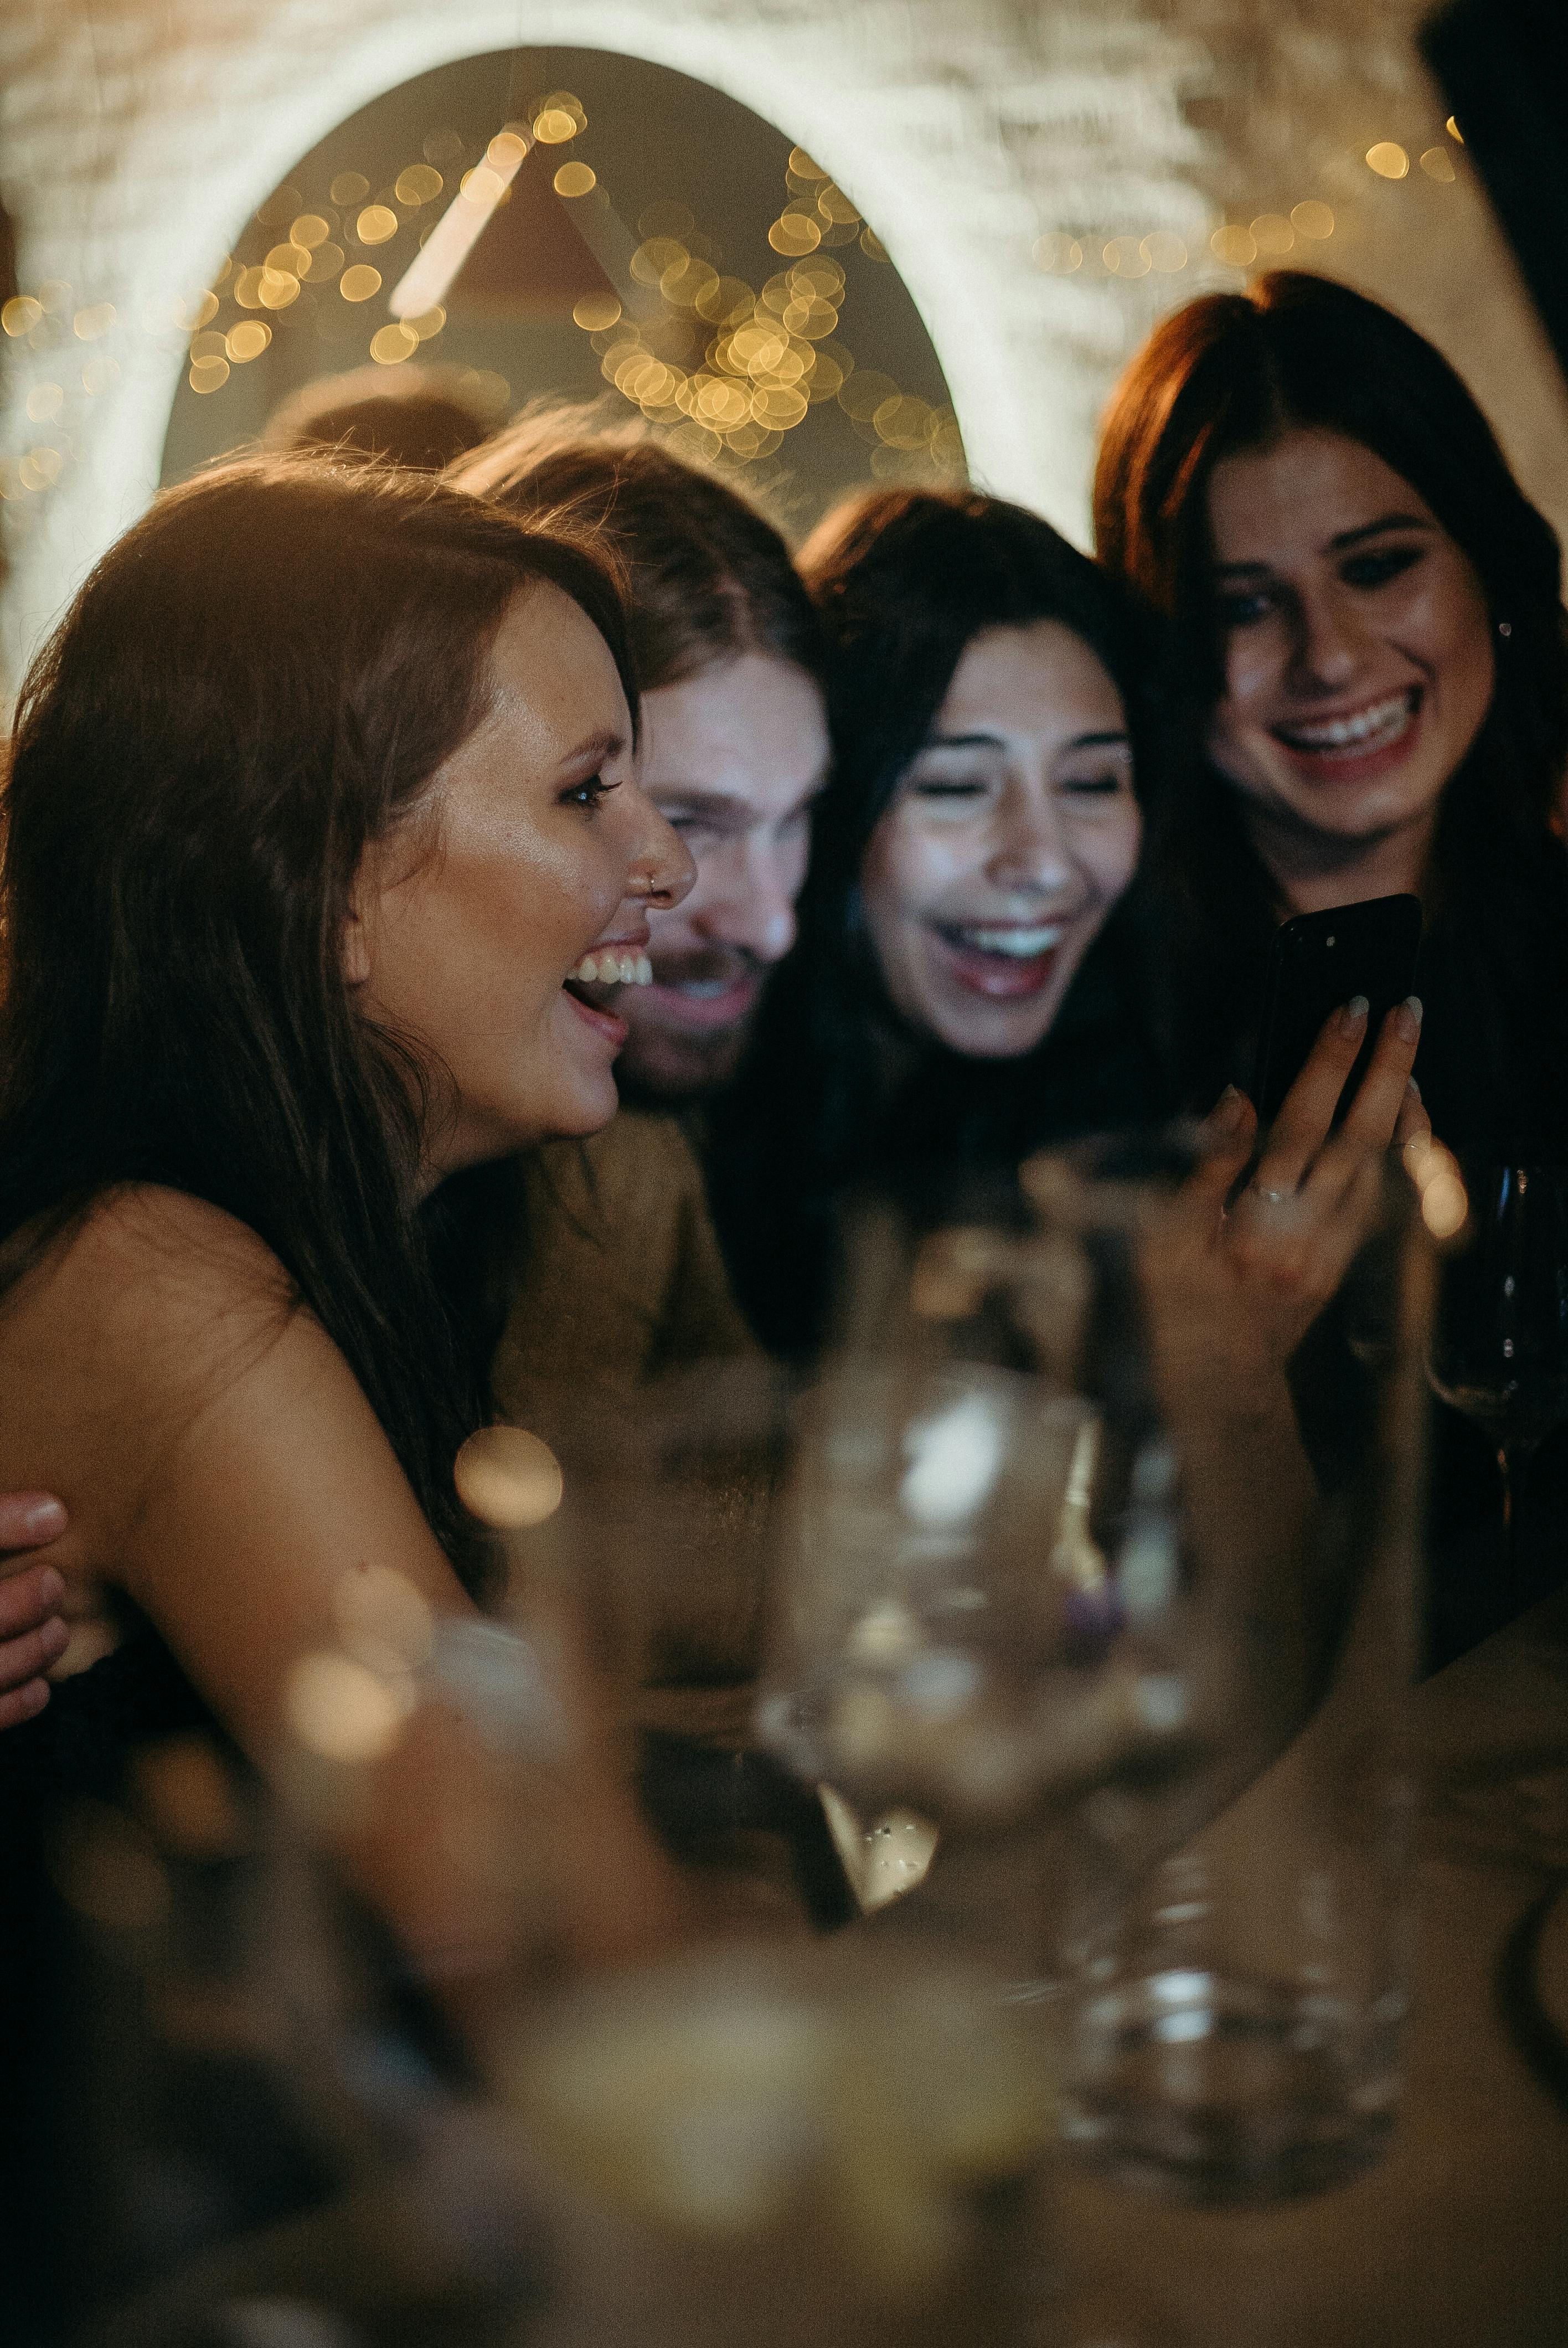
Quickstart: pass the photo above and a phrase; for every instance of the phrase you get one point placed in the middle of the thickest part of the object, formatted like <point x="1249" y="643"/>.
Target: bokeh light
<point x="341" y="1710"/>
<point x="507" y="1478"/>
<point x="1389" y="159"/>
<point x="1312" y="219"/>
<point x="1233" y="245"/>
<point x="1272" y="233"/>
<point x="1437" y="163"/>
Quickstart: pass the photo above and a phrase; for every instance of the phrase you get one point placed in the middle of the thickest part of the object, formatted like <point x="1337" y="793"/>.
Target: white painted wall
<point x="137" y="136"/>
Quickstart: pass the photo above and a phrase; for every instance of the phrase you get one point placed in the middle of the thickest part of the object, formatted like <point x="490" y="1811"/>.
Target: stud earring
<point x="1505" y="627"/>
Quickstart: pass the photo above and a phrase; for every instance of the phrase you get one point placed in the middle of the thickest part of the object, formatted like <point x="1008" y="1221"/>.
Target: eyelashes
<point x="588" y="796"/>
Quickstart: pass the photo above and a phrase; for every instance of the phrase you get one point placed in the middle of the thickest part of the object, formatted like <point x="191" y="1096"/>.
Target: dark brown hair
<point x="709" y="577"/>
<point x="1233" y="372"/>
<point x="416" y="415"/>
<point x="905" y="581"/>
<point x="259" y="680"/>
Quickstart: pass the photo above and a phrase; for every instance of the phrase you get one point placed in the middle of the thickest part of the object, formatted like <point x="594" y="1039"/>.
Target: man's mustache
<point x="709" y="966"/>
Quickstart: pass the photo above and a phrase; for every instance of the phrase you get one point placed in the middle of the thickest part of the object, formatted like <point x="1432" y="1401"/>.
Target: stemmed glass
<point x="1500" y="1336"/>
<point x="1060" y="1572"/>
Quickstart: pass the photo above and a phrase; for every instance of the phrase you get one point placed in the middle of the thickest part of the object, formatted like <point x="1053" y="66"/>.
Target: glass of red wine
<point x="1500" y="1331"/>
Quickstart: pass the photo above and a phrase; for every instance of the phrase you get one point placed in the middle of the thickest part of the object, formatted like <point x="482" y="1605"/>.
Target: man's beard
<point x="665" y="1061"/>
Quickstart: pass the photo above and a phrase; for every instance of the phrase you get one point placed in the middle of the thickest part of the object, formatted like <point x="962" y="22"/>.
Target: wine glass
<point x="1058" y="1570"/>
<point x="1500" y="1335"/>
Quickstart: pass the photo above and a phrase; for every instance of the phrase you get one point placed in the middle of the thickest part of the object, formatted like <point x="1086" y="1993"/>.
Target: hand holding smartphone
<point x="1320" y="962"/>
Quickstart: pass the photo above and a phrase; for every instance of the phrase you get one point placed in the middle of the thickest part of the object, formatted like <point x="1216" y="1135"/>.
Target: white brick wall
<point x="136" y="136"/>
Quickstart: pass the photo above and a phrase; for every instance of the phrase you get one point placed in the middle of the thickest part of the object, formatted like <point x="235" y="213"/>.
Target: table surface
<point x="1459" y="2237"/>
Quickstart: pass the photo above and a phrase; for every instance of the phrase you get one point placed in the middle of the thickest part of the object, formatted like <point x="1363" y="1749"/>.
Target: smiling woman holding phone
<point x="1368" y="675"/>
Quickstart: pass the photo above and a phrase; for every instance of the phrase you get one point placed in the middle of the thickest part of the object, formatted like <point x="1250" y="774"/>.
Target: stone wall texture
<point x="136" y="136"/>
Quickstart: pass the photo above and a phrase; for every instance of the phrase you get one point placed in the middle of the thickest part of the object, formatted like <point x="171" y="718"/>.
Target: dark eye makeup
<point x="589" y="794"/>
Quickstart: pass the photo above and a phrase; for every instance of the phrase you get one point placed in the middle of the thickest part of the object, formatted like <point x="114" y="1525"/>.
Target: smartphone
<point x="1319" y="961"/>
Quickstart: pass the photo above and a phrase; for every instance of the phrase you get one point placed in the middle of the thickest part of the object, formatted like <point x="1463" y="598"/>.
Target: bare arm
<point x="224" y="1468"/>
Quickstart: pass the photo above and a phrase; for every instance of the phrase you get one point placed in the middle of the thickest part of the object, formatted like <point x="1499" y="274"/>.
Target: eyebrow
<point x="1342" y="543"/>
<point x="595" y="750"/>
<point x="1115" y="737"/>
<point x="725" y="806"/>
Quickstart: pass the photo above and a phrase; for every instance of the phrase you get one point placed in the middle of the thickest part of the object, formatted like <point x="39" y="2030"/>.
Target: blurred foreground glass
<point x="789" y="2148"/>
<point x="1499" y="1325"/>
<point x="1068" y="1570"/>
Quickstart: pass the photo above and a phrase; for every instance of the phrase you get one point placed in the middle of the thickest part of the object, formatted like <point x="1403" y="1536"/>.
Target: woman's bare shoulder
<point x="124" y="1324"/>
<point x="144" y="1259"/>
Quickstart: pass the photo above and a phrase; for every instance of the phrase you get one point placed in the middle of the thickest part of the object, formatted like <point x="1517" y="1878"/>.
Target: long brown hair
<point x="905" y="580"/>
<point x="1232" y="372"/>
<point x="708" y="576"/>
<point x="258" y="681"/>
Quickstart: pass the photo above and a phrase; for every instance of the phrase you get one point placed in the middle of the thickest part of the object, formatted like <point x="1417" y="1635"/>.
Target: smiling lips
<point x="1006" y="961"/>
<point x="1357" y="745"/>
<point x="616" y="961"/>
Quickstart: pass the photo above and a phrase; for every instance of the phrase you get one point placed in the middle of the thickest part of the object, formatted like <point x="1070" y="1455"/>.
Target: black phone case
<point x="1319" y="961"/>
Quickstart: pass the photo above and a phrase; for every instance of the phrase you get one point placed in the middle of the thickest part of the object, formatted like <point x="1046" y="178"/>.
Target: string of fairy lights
<point x="727" y="368"/>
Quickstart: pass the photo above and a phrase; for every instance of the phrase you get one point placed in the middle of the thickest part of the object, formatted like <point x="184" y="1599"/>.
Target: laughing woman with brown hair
<point x="318" y="799"/>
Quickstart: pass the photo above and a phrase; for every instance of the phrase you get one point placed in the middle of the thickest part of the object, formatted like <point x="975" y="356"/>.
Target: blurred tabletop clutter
<point x="1458" y="2236"/>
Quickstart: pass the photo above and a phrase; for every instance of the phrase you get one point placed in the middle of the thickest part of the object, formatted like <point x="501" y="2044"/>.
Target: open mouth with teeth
<point x="1355" y="747"/>
<point x="605" y="966"/>
<point x="1005" y="960"/>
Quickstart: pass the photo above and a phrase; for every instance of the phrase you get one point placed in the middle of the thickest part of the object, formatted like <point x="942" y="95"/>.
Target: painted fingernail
<point x="1408" y="1020"/>
<point x="1229" y="1111"/>
<point x="1354" y="1014"/>
<point x="43" y="1519"/>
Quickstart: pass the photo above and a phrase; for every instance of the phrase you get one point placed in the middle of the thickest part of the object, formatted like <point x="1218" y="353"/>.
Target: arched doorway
<point x="641" y="238"/>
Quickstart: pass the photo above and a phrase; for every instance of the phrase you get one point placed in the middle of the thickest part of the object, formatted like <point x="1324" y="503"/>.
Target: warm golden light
<point x="1451" y="127"/>
<point x="1312" y="219"/>
<point x="554" y="127"/>
<point x="575" y="180"/>
<point x="341" y="1710"/>
<point x="418" y="185"/>
<point x="506" y="1476"/>
<point x="20" y="314"/>
<point x="389" y="346"/>
<point x="208" y="375"/>
<point x="376" y="224"/>
<point x="794" y="233"/>
<point x="1124" y="257"/>
<point x="1388" y="160"/>
<point x="358" y="283"/>
<point x="88" y="324"/>
<point x="1272" y="233"/>
<point x="349" y="188"/>
<point x="247" y="341"/>
<point x="1233" y="245"/>
<point x="277" y="289"/>
<point x="596" y="312"/>
<point x="1435" y="164"/>
<point x="1165" y="252"/>
<point x="309" y="230"/>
